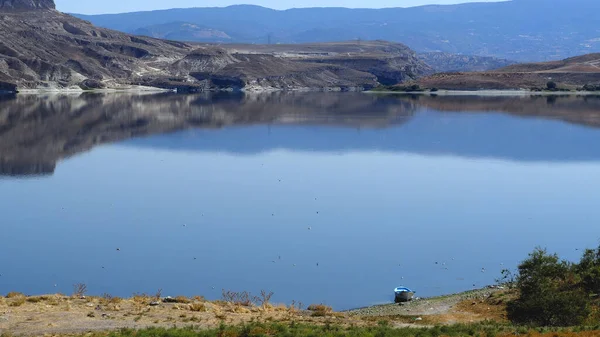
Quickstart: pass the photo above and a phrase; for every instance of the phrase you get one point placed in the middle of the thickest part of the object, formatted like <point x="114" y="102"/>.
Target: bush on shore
<point x="554" y="292"/>
<point x="591" y="87"/>
<point x="401" y="88"/>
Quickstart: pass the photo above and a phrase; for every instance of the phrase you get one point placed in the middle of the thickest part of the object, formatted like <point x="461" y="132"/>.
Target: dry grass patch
<point x="182" y="299"/>
<point x="111" y="303"/>
<point x="35" y="299"/>
<point x="141" y="299"/>
<point x="54" y="300"/>
<point x="14" y="294"/>
<point x="198" y="307"/>
<point x="320" y="310"/>
<point x="279" y="308"/>
<point x="17" y="301"/>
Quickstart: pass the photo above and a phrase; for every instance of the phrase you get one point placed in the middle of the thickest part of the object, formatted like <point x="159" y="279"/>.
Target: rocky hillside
<point x="26" y="4"/>
<point x="571" y="73"/>
<point x="43" y="48"/>
<point x="446" y="62"/>
<point x="264" y="71"/>
<point x="390" y="62"/>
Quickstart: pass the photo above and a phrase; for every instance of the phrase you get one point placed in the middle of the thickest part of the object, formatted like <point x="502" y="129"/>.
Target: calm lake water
<point x="320" y="198"/>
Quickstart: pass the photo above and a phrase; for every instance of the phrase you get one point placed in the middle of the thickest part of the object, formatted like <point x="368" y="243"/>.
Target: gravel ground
<point x="424" y="306"/>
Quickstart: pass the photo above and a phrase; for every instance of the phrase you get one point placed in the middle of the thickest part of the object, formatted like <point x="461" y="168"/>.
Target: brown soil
<point x="59" y="314"/>
<point x="469" y="307"/>
<point x="569" y="74"/>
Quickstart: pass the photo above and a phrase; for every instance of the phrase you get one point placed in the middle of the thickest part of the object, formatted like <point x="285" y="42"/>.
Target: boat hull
<point x="404" y="296"/>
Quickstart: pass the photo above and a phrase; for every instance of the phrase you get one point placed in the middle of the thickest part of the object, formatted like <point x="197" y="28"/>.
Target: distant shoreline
<point x="488" y="93"/>
<point x="136" y="89"/>
<point x="142" y="89"/>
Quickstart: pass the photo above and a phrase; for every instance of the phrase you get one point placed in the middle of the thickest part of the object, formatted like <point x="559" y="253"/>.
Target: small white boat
<point x="403" y="294"/>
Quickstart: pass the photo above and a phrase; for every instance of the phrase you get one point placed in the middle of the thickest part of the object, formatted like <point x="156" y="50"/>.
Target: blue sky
<point x="120" y="6"/>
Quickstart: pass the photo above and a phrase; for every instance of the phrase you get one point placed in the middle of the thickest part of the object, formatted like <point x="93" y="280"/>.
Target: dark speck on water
<point x="389" y="192"/>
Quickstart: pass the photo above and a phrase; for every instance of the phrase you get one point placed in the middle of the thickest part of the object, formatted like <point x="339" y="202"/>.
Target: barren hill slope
<point x="43" y="48"/>
<point x="569" y="73"/>
<point x="46" y="48"/>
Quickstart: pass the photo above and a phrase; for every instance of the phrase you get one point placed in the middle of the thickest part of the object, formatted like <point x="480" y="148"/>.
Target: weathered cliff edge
<point x="42" y="48"/>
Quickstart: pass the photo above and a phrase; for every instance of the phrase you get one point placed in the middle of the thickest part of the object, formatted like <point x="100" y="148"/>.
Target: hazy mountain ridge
<point x="520" y="30"/>
<point x="183" y="31"/>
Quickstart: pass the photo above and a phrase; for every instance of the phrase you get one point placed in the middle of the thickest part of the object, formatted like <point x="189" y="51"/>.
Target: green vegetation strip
<point x="383" y="329"/>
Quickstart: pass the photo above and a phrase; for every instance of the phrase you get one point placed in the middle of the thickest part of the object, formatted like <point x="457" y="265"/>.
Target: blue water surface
<point x="315" y="212"/>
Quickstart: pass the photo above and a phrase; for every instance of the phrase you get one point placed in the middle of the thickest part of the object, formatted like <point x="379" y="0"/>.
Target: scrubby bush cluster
<point x="401" y="88"/>
<point x="591" y="87"/>
<point x="246" y="299"/>
<point x="555" y="292"/>
<point x="550" y="86"/>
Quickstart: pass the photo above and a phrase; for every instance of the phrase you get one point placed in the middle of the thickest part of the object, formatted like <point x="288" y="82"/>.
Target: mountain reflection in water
<point x="37" y="131"/>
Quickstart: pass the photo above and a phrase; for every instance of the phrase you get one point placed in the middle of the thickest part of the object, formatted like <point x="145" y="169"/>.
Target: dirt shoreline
<point x="60" y="314"/>
<point x="257" y="90"/>
<point x="519" y="93"/>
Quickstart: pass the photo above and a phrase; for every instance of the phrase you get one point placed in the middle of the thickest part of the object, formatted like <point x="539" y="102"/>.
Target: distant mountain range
<point x="520" y="30"/>
<point x="183" y="31"/>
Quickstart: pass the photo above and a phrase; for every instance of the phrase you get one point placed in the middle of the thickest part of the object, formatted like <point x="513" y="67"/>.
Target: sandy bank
<point x="60" y="314"/>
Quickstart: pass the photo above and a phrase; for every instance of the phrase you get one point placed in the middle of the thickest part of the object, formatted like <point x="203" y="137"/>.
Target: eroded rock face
<point x="47" y="49"/>
<point x="26" y="4"/>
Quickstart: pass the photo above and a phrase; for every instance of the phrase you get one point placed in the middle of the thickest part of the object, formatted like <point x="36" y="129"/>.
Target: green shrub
<point x="550" y="293"/>
<point x="591" y="87"/>
<point x="589" y="269"/>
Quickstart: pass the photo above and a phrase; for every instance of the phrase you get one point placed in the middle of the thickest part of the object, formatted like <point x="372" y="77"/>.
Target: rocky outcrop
<point x="391" y="63"/>
<point x="48" y="49"/>
<point x="447" y="62"/>
<point x="43" y="48"/>
<point x="219" y="68"/>
<point x="26" y="4"/>
<point x="571" y="73"/>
